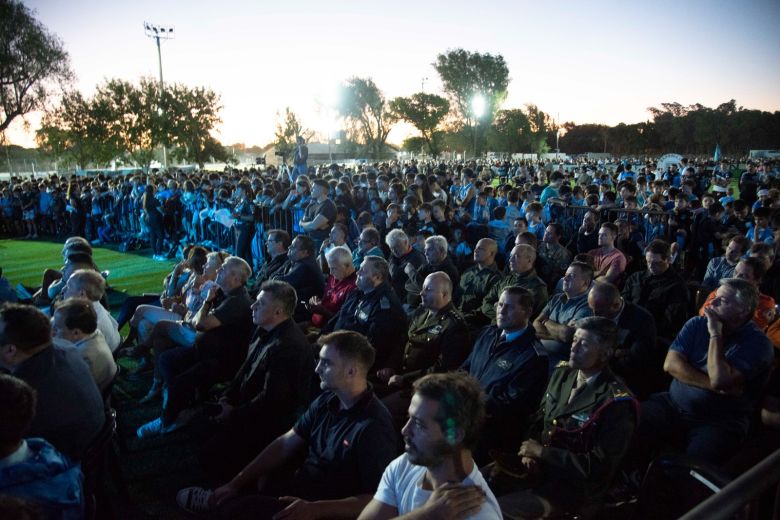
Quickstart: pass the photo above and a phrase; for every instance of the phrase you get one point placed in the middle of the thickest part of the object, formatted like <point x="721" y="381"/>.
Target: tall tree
<point x="287" y="129"/>
<point x="425" y="112"/>
<point x="75" y="131"/>
<point x="32" y="61"/>
<point x="191" y="114"/>
<point x="135" y="121"/>
<point x="467" y="75"/>
<point x="367" y="114"/>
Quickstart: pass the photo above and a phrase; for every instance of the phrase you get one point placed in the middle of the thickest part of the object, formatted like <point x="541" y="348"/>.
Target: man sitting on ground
<point x="348" y="437"/>
<point x="437" y="477"/>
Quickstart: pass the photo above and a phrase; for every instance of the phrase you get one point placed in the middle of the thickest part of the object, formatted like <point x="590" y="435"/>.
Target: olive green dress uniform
<point x="529" y="281"/>
<point x="475" y="284"/>
<point x="439" y="341"/>
<point x="584" y="440"/>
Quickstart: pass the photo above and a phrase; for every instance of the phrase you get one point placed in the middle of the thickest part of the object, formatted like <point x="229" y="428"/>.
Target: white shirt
<point x="401" y="487"/>
<point x="108" y="326"/>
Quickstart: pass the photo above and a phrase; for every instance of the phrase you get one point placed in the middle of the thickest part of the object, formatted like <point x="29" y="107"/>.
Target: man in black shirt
<point x="276" y="245"/>
<point x="304" y="273"/>
<point x="224" y="327"/>
<point x="320" y="214"/>
<point x="349" y="438"/>
<point x="271" y="389"/>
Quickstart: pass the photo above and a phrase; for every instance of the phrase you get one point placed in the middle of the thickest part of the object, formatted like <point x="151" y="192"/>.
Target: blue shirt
<point x="746" y="349"/>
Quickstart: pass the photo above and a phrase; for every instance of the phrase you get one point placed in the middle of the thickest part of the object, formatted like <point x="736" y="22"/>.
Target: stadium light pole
<point x="158" y="32"/>
<point x="478" y="109"/>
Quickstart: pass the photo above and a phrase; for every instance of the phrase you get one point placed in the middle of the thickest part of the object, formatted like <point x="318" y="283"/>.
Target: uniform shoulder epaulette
<point x="619" y="390"/>
<point x="384" y="302"/>
<point x="562" y="364"/>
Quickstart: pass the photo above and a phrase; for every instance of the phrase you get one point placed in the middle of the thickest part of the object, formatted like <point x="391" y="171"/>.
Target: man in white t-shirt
<point x="437" y="477"/>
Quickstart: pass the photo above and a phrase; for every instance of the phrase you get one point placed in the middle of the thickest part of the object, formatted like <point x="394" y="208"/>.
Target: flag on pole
<point x="716" y="155"/>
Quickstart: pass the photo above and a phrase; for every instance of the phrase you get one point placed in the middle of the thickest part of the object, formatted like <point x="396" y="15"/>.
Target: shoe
<point x="154" y="393"/>
<point x="155" y="428"/>
<point x="194" y="500"/>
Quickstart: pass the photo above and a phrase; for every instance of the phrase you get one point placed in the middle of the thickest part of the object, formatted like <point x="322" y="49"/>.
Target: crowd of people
<point x="453" y="340"/>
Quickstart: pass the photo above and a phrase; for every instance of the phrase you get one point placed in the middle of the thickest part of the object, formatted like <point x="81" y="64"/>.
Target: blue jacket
<point x="48" y="479"/>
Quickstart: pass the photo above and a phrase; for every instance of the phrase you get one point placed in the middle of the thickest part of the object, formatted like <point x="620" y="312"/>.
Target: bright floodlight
<point x="478" y="105"/>
<point x="158" y="31"/>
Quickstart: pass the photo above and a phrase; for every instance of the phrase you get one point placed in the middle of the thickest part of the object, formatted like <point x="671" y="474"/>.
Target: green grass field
<point x="23" y="261"/>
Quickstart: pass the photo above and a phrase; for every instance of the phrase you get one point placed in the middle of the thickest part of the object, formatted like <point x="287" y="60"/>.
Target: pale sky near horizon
<point x="602" y="61"/>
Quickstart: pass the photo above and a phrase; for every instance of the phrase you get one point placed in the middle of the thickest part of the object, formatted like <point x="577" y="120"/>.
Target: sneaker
<point x="194" y="500"/>
<point x="155" y="428"/>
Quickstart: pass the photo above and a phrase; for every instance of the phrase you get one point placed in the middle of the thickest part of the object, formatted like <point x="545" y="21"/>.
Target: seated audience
<point x="30" y="467"/>
<point x="719" y="364"/>
<point x="89" y="284"/>
<point x="401" y="254"/>
<point x="555" y="324"/>
<point x="659" y="289"/>
<point x="341" y="281"/>
<point x="375" y="311"/>
<point x="509" y="363"/>
<point x="69" y="409"/>
<point x="222" y="329"/>
<point x="276" y="246"/>
<point x="74" y="325"/>
<point x="579" y="436"/>
<point x="368" y="245"/>
<point x="436" y="259"/>
<point x="303" y="272"/>
<point x="270" y="390"/>
<point x="477" y="280"/>
<point x="348" y="439"/>
<point x="609" y="263"/>
<point x="752" y="271"/>
<point x="521" y="274"/>
<point x="722" y="267"/>
<point x="445" y="418"/>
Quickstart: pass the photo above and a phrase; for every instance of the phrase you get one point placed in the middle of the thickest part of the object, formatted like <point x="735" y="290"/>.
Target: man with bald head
<point x="637" y="358"/>
<point x="476" y="281"/>
<point x="439" y="338"/>
<point x="521" y="274"/>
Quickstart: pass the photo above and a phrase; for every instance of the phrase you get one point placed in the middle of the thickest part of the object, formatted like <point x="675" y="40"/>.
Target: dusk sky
<point x="589" y="62"/>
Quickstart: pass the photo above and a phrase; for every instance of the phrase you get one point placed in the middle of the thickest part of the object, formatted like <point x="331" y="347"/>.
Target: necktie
<point x="582" y="382"/>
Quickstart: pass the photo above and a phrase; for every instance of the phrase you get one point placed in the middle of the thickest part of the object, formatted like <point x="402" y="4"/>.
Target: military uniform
<point x="438" y="342"/>
<point x="529" y="281"/>
<point x="475" y="284"/>
<point x="380" y="317"/>
<point x="584" y="440"/>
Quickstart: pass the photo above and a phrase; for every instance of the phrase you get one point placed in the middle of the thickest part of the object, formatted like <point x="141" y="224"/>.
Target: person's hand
<point x="223" y="493"/>
<point x="212" y="294"/>
<point x="410" y="270"/>
<point x="714" y="323"/>
<point x="224" y="414"/>
<point x="297" y="510"/>
<point x="531" y="465"/>
<point x="396" y="381"/>
<point x="384" y="374"/>
<point x="530" y="449"/>
<point x="454" y="501"/>
<point x="167" y="303"/>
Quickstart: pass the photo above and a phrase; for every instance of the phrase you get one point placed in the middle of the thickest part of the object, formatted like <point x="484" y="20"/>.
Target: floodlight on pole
<point x="158" y="32"/>
<point x="478" y="106"/>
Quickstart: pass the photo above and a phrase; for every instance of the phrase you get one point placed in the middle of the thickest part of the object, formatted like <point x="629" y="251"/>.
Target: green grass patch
<point x="23" y="261"/>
